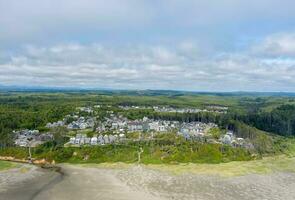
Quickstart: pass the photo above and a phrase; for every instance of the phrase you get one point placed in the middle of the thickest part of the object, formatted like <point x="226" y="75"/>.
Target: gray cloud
<point x="31" y="20"/>
<point x="49" y="21"/>
<point x="165" y="44"/>
<point x="278" y="45"/>
<point x="143" y="67"/>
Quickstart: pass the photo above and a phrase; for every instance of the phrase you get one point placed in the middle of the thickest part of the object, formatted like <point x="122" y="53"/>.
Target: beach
<point x="130" y="182"/>
<point x="25" y="182"/>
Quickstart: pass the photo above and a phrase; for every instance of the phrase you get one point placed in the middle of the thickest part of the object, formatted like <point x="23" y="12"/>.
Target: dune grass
<point x="237" y="168"/>
<point x="115" y="165"/>
<point x="4" y="165"/>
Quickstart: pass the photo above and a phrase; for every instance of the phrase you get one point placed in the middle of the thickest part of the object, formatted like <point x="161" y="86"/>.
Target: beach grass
<point x="4" y="165"/>
<point x="115" y="165"/>
<point x="236" y="168"/>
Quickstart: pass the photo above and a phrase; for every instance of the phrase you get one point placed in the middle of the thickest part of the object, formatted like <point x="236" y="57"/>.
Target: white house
<point x="93" y="141"/>
<point x="72" y="140"/>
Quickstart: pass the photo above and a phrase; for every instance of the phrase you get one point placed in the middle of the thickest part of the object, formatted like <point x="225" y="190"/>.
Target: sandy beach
<point x="79" y="182"/>
<point x="25" y="182"/>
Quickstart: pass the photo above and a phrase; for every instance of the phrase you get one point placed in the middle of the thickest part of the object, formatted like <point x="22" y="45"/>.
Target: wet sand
<point x="81" y="183"/>
<point x="25" y="182"/>
<point x="273" y="186"/>
<point x="141" y="182"/>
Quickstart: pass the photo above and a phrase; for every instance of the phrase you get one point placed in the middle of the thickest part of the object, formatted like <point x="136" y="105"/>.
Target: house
<point x="23" y="136"/>
<point x="230" y="133"/>
<point x="112" y="138"/>
<point x="82" y="141"/>
<point x="106" y="139"/>
<point x="101" y="128"/>
<point x="161" y="128"/>
<point x="100" y="139"/>
<point x="87" y="140"/>
<point x="115" y="125"/>
<point x="227" y="139"/>
<point x="154" y="126"/>
<point x="46" y="137"/>
<point x="121" y="137"/>
<point x="72" y="140"/>
<point x="22" y="142"/>
<point x="77" y="140"/>
<point x="93" y="141"/>
<point x="55" y="124"/>
<point x="85" y="109"/>
<point x="134" y="126"/>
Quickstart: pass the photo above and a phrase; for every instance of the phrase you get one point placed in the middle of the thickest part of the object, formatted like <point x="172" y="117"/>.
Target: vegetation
<point x="280" y="120"/>
<point x="154" y="152"/>
<point x="230" y="169"/>
<point x="6" y="165"/>
<point x="268" y="122"/>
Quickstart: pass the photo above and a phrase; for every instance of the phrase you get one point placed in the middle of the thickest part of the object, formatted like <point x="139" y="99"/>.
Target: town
<point x="216" y="109"/>
<point x="115" y="128"/>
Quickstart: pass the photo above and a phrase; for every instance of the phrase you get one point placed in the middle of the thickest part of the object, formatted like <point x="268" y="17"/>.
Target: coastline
<point x="111" y="181"/>
<point x="26" y="181"/>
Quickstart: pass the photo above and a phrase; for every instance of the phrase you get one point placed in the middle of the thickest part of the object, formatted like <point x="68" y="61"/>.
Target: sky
<point x="193" y="45"/>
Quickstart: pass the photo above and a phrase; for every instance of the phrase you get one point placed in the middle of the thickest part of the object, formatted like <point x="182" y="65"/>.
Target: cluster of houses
<point x="55" y="124"/>
<point x="230" y="139"/>
<point x="82" y="123"/>
<point x="82" y="139"/>
<point x="163" y="109"/>
<point x="119" y="124"/>
<point x="78" y="123"/>
<point x="85" y="109"/>
<point x="217" y="109"/>
<point x="114" y="128"/>
<point x="197" y="131"/>
<point x="194" y="130"/>
<point x="24" y="138"/>
<point x="176" y="110"/>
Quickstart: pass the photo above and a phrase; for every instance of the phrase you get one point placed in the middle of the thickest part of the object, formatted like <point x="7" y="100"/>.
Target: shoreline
<point x="26" y="181"/>
<point x="110" y="181"/>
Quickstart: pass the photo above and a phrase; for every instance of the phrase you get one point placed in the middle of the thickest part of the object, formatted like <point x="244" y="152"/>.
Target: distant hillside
<point x="140" y="92"/>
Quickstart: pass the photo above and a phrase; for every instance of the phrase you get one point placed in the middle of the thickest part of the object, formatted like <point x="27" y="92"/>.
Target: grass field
<point x="4" y="165"/>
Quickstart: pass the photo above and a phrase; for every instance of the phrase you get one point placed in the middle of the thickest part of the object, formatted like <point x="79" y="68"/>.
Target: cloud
<point x="51" y="21"/>
<point x="145" y="67"/>
<point x="32" y="20"/>
<point x="278" y="45"/>
<point x="214" y="12"/>
<point x="166" y="44"/>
